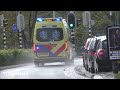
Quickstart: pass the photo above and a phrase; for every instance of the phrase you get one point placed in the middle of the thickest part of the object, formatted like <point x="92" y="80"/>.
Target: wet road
<point x="53" y="71"/>
<point x="49" y="71"/>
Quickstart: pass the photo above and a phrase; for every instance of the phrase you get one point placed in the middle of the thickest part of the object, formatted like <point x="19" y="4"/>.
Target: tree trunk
<point x="29" y="28"/>
<point x="33" y="25"/>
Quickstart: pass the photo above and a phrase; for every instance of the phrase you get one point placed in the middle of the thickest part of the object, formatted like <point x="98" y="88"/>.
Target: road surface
<point x="53" y="71"/>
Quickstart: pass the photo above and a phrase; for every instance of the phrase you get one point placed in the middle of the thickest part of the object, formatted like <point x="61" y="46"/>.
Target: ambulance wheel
<point x="68" y="62"/>
<point x="42" y="64"/>
<point x="36" y="64"/>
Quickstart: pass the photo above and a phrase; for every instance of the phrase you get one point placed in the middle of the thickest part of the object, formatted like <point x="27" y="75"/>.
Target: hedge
<point x="15" y="56"/>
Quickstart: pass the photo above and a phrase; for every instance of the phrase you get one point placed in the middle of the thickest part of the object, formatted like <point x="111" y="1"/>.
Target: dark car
<point x="101" y="61"/>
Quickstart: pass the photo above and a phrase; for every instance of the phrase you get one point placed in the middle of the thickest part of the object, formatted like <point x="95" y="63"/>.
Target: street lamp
<point x="53" y="14"/>
<point x="110" y="12"/>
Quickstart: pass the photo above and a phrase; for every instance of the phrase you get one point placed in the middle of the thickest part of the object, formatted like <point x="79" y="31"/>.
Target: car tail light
<point x="100" y="52"/>
<point x="92" y="53"/>
<point x="34" y="48"/>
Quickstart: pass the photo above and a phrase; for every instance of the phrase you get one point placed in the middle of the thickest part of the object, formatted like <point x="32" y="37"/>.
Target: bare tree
<point x="32" y="26"/>
<point x="29" y="28"/>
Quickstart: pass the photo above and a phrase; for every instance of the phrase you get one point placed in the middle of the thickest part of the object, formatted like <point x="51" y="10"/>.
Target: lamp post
<point x="114" y="17"/>
<point x="117" y="17"/>
<point x="53" y="14"/>
<point x="110" y="12"/>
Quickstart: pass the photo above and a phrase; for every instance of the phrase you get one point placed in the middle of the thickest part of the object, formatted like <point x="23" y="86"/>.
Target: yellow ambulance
<point x="51" y="41"/>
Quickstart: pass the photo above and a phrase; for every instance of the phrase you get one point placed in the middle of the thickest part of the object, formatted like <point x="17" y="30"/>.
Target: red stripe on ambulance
<point x="49" y="47"/>
<point x="60" y="49"/>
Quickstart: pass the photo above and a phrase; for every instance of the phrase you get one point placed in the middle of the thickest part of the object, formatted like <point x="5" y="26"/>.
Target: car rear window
<point x="104" y="44"/>
<point x="49" y="34"/>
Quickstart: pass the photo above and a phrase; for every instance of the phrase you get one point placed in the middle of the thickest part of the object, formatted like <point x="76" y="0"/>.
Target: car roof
<point x="102" y="38"/>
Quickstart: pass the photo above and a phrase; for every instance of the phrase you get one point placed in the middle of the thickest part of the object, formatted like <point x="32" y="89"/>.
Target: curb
<point x="14" y="66"/>
<point x="77" y="72"/>
<point x="91" y="76"/>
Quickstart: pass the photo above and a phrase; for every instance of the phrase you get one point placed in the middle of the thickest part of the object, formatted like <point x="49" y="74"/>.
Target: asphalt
<point x="14" y="66"/>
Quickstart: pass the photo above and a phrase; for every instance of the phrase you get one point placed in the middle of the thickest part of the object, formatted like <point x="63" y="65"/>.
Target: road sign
<point x="1" y="20"/>
<point x="20" y="22"/>
<point x="86" y="19"/>
<point x="113" y="40"/>
<point x="92" y="22"/>
<point x="14" y="28"/>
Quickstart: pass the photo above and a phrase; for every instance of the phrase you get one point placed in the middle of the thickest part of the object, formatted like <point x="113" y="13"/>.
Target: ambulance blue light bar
<point x="45" y="19"/>
<point x="58" y="19"/>
<point x="40" y="19"/>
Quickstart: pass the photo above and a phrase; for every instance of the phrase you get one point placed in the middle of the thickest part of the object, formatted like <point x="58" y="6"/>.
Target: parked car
<point x="90" y="54"/>
<point x="100" y="58"/>
<point x="95" y="55"/>
<point x="85" y="53"/>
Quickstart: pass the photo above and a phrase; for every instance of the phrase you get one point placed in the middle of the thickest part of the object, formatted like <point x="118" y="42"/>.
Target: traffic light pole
<point x="87" y="22"/>
<point x="90" y="32"/>
<point x="20" y="39"/>
<point x="73" y="38"/>
<point x="20" y="34"/>
<point x="4" y="38"/>
<point x="3" y="25"/>
<point x="71" y="20"/>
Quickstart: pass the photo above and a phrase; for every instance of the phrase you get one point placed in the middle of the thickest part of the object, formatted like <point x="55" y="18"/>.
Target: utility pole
<point x="29" y="28"/>
<point x="33" y="25"/>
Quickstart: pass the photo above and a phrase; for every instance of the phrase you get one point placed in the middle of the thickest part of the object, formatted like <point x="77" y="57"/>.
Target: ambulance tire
<point x="70" y="58"/>
<point x="68" y="62"/>
<point x="42" y="64"/>
<point x="36" y="64"/>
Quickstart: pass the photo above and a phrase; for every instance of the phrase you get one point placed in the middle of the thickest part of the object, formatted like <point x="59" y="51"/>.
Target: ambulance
<point x="51" y="41"/>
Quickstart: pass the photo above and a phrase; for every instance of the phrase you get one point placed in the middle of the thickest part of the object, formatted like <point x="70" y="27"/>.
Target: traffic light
<point x="71" y="19"/>
<point x="5" y="22"/>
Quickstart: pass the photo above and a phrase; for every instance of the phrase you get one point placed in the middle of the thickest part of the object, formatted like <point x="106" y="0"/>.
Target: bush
<point x="117" y="75"/>
<point x="15" y="56"/>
